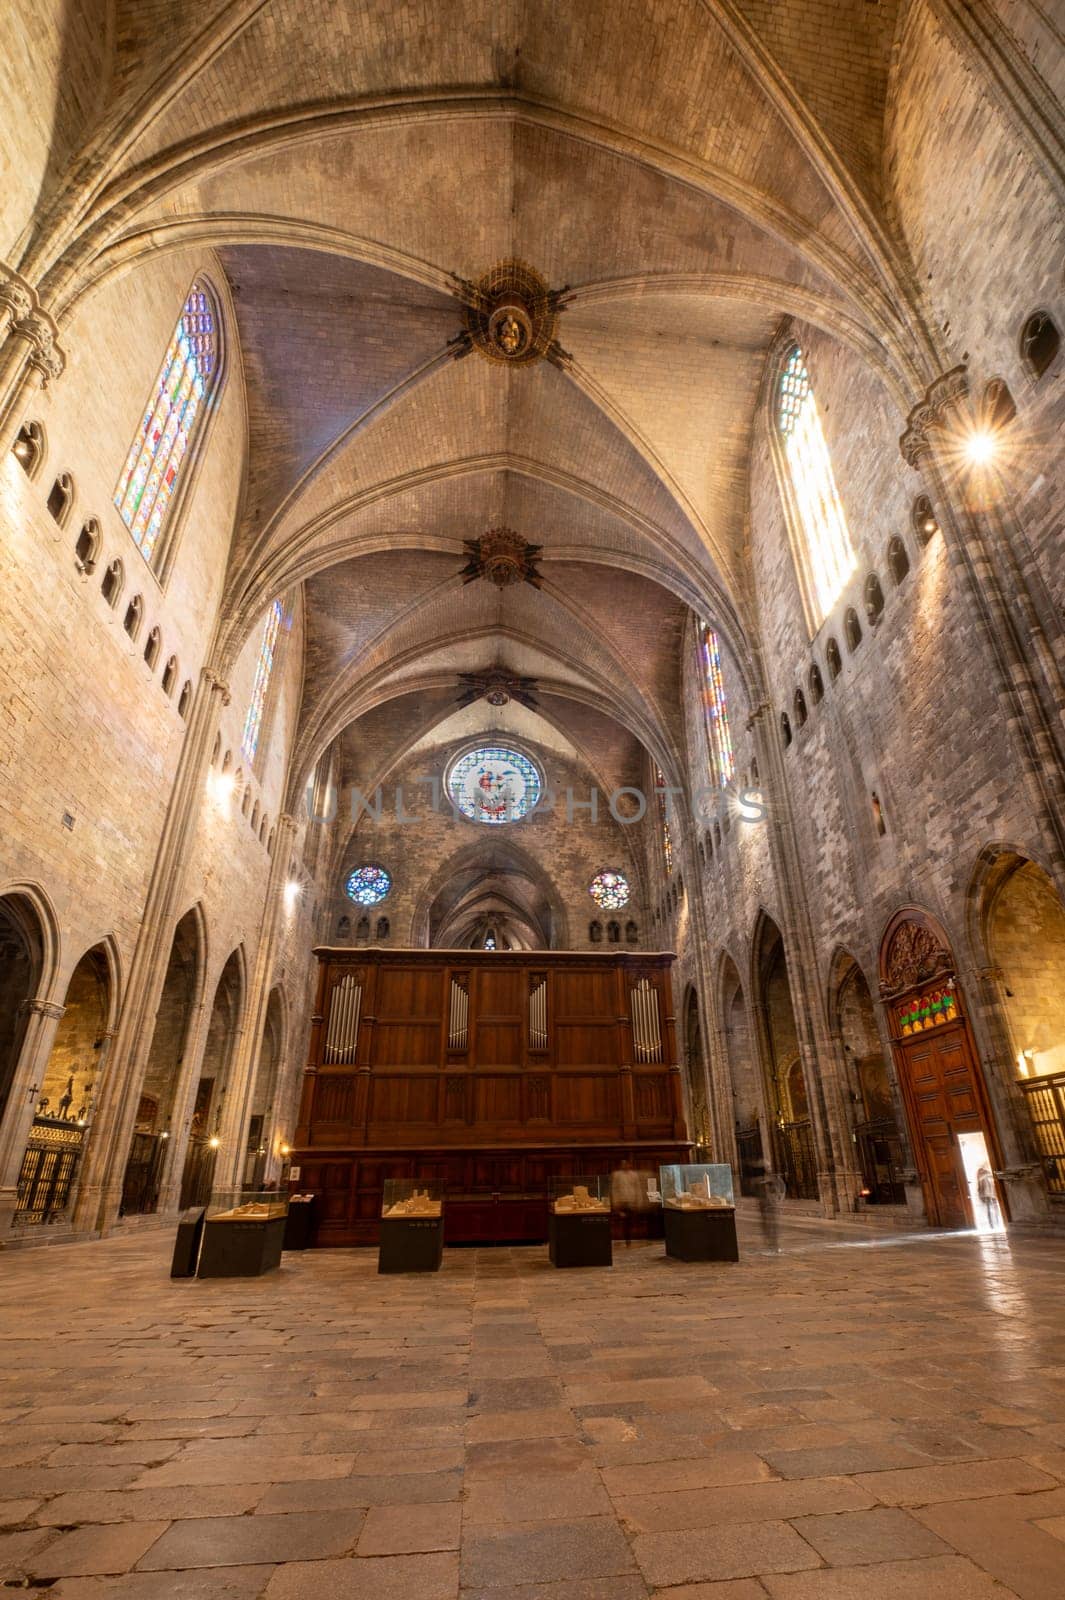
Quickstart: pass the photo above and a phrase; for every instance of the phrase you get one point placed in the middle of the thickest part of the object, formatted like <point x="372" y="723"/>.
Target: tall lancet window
<point x="663" y="817"/>
<point x="264" y="666"/>
<point x="724" y="762"/>
<point x="829" y="557"/>
<point x="173" y="418"/>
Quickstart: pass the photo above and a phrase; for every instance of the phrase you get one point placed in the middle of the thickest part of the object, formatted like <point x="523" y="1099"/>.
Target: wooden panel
<point x="500" y="991"/>
<point x="409" y="992"/>
<point x="653" y="1097"/>
<point x="585" y="1044"/>
<point x="585" y="1100"/>
<point x="584" y="992"/>
<point x="497" y="1099"/>
<point x="404" y="1099"/>
<point x="334" y="1098"/>
<point x="498" y="1044"/>
<point x="406" y="1044"/>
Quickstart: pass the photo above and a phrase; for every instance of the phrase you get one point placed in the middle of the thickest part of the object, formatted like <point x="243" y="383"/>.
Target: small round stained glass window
<point x="368" y="886"/>
<point x="610" y="890"/>
<point x="494" y="784"/>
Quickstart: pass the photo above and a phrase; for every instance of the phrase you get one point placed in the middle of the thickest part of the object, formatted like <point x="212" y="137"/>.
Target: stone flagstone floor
<point x="882" y="1419"/>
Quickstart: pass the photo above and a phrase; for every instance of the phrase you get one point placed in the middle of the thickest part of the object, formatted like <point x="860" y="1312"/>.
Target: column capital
<point x="216" y="684"/>
<point x="16" y="296"/>
<point x="45" y="356"/>
<point x="42" y="1008"/>
<point x="929" y="415"/>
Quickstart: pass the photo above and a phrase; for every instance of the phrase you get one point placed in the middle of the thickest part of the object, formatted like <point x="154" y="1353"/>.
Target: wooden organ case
<point x="489" y="1072"/>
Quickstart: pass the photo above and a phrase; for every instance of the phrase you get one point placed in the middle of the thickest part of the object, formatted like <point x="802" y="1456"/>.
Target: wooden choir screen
<point x="490" y="1071"/>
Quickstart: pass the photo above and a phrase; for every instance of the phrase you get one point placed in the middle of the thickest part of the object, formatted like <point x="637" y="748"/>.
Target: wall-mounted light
<point x="292" y="893"/>
<point x="980" y="447"/>
<point x="214" y="1141"/>
<point x="221" y="786"/>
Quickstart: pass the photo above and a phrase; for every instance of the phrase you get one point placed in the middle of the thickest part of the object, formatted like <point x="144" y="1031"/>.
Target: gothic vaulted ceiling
<point x="685" y="172"/>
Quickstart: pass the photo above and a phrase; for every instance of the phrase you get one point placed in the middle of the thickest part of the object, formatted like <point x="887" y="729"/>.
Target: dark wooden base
<point x="187" y="1246"/>
<point x="495" y="1194"/>
<point x="241" y="1249"/>
<point x="411" y="1244"/>
<point x="580" y="1241"/>
<point x="700" y="1235"/>
<point x="299" y="1224"/>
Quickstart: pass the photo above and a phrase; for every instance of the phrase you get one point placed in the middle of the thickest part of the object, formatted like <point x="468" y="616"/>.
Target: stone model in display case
<point x="412" y="1226"/>
<point x="699" y="1212"/>
<point x="243" y="1235"/>
<point x="579" y="1222"/>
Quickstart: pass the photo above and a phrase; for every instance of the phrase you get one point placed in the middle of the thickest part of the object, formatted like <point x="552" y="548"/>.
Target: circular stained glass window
<point x="494" y="784"/>
<point x="368" y="886"/>
<point x="610" y="890"/>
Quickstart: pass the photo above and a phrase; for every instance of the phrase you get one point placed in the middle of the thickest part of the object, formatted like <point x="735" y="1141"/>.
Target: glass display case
<point x="243" y="1234"/>
<point x="703" y="1186"/>
<point x="412" y="1226"/>
<point x="587" y="1196"/>
<point x="406" y="1197"/>
<point x="579" y="1222"/>
<point x="699" y="1212"/>
<point x="240" y="1206"/>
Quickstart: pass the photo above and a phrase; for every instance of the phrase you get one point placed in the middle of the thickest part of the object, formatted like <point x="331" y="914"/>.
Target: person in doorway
<point x="625" y="1197"/>
<point x="985" y="1188"/>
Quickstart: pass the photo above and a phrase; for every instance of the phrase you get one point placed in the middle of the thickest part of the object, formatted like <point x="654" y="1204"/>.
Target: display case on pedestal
<point x="699" y="1212"/>
<point x="412" y="1227"/>
<point x="579" y="1222"/>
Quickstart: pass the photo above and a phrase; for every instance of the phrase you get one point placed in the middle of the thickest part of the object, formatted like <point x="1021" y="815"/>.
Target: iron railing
<point x="880" y="1157"/>
<point x="48" y="1170"/>
<point x="1045" y="1098"/>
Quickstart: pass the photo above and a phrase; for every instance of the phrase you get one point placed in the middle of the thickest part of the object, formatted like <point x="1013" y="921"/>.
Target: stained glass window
<point x="830" y="555"/>
<point x="368" y="886"/>
<point x="489" y="941"/>
<point x="494" y="784"/>
<point x="175" y="410"/>
<point x="663" y="812"/>
<point x="717" y="709"/>
<point x="253" y="722"/>
<point x="610" y="890"/>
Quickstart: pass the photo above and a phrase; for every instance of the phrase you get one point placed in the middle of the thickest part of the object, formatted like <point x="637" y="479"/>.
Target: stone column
<point x="838" y="1180"/>
<point x="240" y="1086"/>
<point x="101" y="1189"/>
<point x="39" y="1020"/>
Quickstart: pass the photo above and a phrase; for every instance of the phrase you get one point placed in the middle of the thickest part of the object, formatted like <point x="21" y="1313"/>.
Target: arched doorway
<point x="744" y="1078"/>
<point x="157" y="1105"/>
<point x="21" y="971"/>
<point x="943" y="1092"/>
<point x="796" y="1159"/>
<point x="264" y="1098"/>
<point x="695" y="1074"/>
<point x="1026" y="943"/>
<point x="197" y="1177"/>
<point x="881" y="1157"/>
<point x="69" y="1086"/>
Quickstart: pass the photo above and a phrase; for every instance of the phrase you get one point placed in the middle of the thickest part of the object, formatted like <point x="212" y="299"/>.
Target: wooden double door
<point x="944" y="1097"/>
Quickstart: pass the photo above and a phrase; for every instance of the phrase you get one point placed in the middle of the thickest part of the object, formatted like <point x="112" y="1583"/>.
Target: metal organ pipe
<point x="342" y="1033"/>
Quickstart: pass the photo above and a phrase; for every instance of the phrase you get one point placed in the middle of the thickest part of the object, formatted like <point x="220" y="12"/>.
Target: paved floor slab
<point x="852" y="1417"/>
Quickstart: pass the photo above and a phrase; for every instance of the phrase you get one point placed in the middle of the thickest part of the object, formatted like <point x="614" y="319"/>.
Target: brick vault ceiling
<point x="692" y="169"/>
